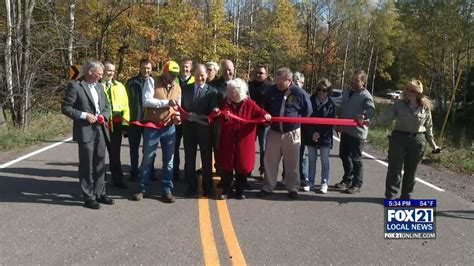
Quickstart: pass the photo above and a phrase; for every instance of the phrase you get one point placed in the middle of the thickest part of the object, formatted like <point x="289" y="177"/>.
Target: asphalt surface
<point x="42" y="221"/>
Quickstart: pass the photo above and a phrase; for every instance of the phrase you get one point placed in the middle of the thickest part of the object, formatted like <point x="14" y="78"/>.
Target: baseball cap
<point x="171" y="67"/>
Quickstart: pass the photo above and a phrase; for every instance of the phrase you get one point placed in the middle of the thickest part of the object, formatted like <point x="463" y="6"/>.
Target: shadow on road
<point x="64" y="164"/>
<point x="64" y="189"/>
<point x="27" y="171"/>
<point x="154" y="190"/>
<point x="31" y="190"/>
<point x="280" y="194"/>
<point x="283" y="196"/>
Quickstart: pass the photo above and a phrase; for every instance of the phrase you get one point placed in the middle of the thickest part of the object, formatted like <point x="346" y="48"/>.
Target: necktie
<point x="108" y="86"/>
<point x="196" y="92"/>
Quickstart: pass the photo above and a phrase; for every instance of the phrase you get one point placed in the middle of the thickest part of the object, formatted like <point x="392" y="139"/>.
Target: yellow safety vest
<point x="118" y="98"/>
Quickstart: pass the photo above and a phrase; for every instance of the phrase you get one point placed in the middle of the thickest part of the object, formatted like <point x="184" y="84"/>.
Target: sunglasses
<point x="320" y="90"/>
<point x="260" y="73"/>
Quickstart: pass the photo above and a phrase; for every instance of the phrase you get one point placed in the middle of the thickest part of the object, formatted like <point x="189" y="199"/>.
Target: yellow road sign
<point x="74" y="71"/>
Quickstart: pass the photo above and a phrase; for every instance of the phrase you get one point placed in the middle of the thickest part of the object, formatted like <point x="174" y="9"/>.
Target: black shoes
<point x="293" y="195"/>
<point x="352" y="190"/>
<point x="343" y="184"/>
<point x="92" y="204"/>
<point x="223" y="197"/>
<point x="104" y="199"/>
<point x="239" y="196"/>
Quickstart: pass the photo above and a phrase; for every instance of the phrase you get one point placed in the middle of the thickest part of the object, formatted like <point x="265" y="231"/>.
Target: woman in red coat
<point x="237" y="139"/>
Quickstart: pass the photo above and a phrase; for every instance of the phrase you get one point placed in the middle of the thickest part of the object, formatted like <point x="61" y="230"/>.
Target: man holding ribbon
<point x="86" y="103"/>
<point x="161" y="95"/>
<point x="118" y="99"/>
<point x="284" y="99"/>
<point x="200" y="100"/>
<point x="357" y="103"/>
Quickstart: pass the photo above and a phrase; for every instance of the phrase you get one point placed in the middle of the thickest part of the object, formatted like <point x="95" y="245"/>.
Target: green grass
<point x="458" y="156"/>
<point x="43" y="127"/>
<point x="458" y="159"/>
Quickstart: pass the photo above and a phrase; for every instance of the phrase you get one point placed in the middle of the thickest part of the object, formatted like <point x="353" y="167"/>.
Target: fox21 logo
<point x="410" y="219"/>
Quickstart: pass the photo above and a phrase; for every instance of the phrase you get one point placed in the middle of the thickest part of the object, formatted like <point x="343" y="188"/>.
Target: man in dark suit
<point x="199" y="99"/>
<point x="85" y="102"/>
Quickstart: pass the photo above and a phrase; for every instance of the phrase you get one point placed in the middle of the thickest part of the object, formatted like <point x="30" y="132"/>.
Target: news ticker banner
<point x="410" y="219"/>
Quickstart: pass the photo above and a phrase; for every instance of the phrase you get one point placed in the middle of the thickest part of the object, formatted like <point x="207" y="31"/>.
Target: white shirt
<point x="95" y="97"/>
<point x="149" y="91"/>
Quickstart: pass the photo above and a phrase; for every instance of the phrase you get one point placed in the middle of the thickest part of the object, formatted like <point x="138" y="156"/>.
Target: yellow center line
<point x="209" y="248"/>
<point x="211" y="256"/>
<point x="229" y="234"/>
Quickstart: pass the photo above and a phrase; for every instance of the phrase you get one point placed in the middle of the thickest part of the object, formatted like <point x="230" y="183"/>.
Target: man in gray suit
<point x="199" y="99"/>
<point x="85" y="103"/>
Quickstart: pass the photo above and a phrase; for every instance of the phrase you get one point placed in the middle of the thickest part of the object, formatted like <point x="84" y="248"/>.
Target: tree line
<point x="392" y="41"/>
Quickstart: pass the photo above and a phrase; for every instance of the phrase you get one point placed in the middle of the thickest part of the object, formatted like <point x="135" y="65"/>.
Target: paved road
<point x="42" y="221"/>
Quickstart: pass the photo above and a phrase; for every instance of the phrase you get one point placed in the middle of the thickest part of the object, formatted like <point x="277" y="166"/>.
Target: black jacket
<point x="220" y="85"/>
<point x="134" y="88"/>
<point x="258" y="89"/>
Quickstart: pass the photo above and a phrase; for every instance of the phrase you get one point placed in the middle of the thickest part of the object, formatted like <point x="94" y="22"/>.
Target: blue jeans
<point x="262" y="136"/>
<point x="312" y="158"/>
<point x="134" y="138"/>
<point x="151" y="137"/>
<point x="303" y="164"/>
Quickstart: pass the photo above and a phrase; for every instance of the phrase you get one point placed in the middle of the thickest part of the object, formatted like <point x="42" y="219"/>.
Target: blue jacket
<point x="297" y="104"/>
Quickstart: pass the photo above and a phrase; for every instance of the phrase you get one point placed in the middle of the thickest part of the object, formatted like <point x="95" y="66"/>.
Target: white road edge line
<point x="33" y="153"/>
<point x="386" y="164"/>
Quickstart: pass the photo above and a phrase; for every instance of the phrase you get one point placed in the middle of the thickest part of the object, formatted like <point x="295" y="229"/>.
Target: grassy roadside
<point x="456" y="157"/>
<point x="43" y="127"/>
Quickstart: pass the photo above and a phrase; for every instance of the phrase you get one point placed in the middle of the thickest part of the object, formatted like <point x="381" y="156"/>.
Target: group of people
<point x="192" y="103"/>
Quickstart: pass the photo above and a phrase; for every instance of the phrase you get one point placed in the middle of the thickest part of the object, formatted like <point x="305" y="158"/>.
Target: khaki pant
<point x="286" y="145"/>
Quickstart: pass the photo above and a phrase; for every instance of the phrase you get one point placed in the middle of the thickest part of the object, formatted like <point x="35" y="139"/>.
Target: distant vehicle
<point x="336" y="96"/>
<point x="394" y="95"/>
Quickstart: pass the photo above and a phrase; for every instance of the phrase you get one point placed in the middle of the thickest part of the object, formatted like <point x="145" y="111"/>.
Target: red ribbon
<point x="303" y="120"/>
<point x="147" y="124"/>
